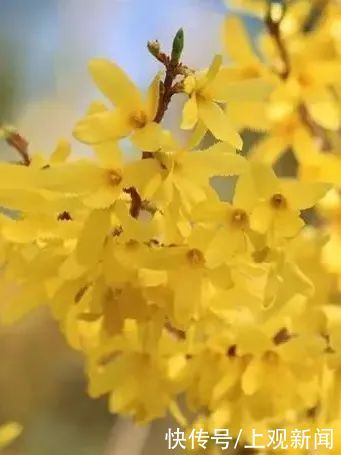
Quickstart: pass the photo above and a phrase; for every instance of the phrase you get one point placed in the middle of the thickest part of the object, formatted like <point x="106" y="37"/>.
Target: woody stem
<point x="20" y="144"/>
<point x="173" y="68"/>
<point x="274" y="30"/>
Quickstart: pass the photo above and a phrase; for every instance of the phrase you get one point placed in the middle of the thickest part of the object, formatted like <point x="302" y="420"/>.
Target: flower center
<point x="115" y="176"/>
<point x="132" y="244"/>
<point x="240" y="219"/>
<point x="195" y="257"/>
<point x="278" y="202"/>
<point x="270" y="357"/>
<point x="138" y="119"/>
<point x="165" y="161"/>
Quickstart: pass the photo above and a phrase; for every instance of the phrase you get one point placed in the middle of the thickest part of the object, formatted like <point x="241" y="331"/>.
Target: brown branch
<point x="314" y="15"/>
<point x="177" y="333"/>
<point x="167" y="90"/>
<point x="138" y="204"/>
<point x="316" y="130"/>
<point x="273" y="27"/>
<point x="20" y="144"/>
<point x="174" y="68"/>
<point x="168" y="87"/>
<point x="136" y="201"/>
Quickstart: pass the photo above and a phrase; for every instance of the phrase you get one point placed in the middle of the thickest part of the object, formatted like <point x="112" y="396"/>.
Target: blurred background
<point x="44" y="89"/>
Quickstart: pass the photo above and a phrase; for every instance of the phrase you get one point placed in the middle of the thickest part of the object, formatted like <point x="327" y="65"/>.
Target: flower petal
<point x="8" y="433"/>
<point x="115" y="84"/>
<point x="303" y="195"/>
<point x="217" y="122"/>
<point x="251" y="115"/>
<point x="61" y="152"/>
<point x="190" y="113"/>
<point x="92" y="238"/>
<point x="245" y="90"/>
<point x="323" y="108"/>
<point x="149" y="138"/>
<point x="236" y="42"/>
<point x="101" y="127"/>
<point x="214" y="161"/>
<point x="269" y="149"/>
<point x="152" y="98"/>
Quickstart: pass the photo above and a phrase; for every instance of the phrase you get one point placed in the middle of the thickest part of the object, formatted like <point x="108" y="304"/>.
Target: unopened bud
<point x="6" y="131"/>
<point x="178" y="45"/>
<point x="276" y="10"/>
<point x="154" y="48"/>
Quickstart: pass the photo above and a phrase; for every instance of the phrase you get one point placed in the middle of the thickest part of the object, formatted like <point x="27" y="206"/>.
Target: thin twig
<point x="166" y="90"/>
<point x="177" y="333"/>
<point x="274" y="28"/>
<point x="20" y="144"/>
<point x="136" y="201"/>
<point x="316" y="130"/>
<point x="174" y="68"/>
<point x="315" y="15"/>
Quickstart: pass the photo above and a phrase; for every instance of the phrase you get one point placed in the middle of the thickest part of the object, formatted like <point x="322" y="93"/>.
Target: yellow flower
<point x="286" y="133"/>
<point x="177" y="173"/>
<point x="167" y="290"/>
<point x="202" y="105"/>
<point x="8" y="433"/>
<point x="250" y="78"/>
<point x="293" y="21"/>
<point x="310" y="83"/>
<point x="134" y="115"/>
<point x="39" y="200"/>
<point x="59" y="155"/>
<point x="275" y="204"/>
<point x="130" y="365"/>
<point x="99" y="182"/>
<point x="307" y="93"/>
<point x="194" y="277"/>
<point x="229" y="226"/>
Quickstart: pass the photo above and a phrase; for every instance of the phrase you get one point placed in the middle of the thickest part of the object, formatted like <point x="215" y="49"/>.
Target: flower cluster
<point x="225" y="313"/>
